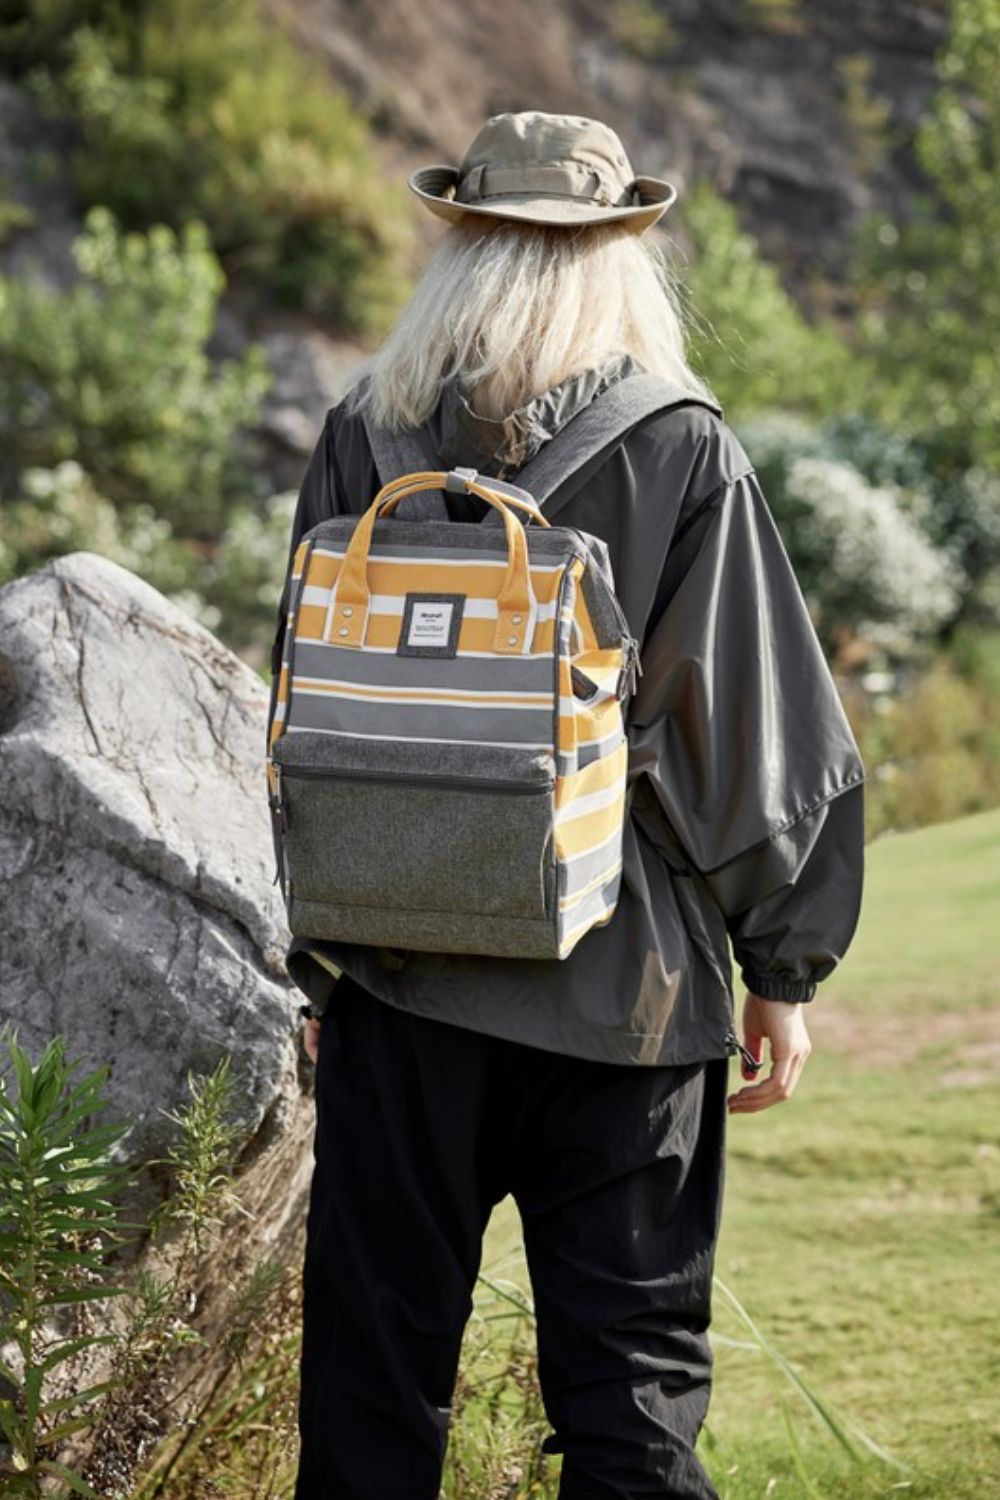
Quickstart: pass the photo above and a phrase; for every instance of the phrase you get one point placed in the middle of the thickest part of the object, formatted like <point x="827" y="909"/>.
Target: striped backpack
<point x="447" y="747"/>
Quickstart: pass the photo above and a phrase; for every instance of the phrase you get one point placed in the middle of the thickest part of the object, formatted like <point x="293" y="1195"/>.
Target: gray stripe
<point x="431" y="554"/>
<point x="579" y="871"/>
<point x="323" y="711"/>
<point x="501" y="674"/>
<point x="586" y="755"/>
<point x="591" y="906"/>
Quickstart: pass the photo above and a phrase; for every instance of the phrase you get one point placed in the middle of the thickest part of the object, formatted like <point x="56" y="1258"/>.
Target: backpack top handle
<point x="350" y="598"/>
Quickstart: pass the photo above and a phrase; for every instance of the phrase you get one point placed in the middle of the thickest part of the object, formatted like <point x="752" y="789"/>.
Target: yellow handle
<point x="409" y="484"/>
<point x="346" y="623"/>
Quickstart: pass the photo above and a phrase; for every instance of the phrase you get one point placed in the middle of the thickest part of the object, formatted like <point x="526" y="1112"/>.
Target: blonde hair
<point x="512" y="309"/>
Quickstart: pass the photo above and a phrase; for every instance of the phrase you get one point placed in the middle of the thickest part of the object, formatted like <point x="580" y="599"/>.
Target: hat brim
<point x="431" y="184"/>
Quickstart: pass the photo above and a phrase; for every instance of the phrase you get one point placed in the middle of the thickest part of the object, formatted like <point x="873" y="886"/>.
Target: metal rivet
<point x="347" y="610"/>
<point x="512" y="640"/>
<point x="343" y="630"/>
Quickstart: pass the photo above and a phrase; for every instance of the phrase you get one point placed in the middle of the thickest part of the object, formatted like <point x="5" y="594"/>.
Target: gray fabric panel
<point x="428" y="720"/>
<point x="507" y="674"/>
<point x="435" y="932"/>
<point x="352" y="753"/>
<point x="385" y="845"/>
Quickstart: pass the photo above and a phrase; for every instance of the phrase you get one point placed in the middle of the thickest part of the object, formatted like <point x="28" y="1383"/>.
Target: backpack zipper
<point x="458" y="783"/>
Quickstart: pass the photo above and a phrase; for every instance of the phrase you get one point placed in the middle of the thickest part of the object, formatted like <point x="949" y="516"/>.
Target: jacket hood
<point x="463" y="437"/>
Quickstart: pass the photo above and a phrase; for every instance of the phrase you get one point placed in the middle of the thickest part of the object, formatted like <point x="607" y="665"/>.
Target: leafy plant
<point x="746" y="333"/>
<point x="929" y="294"/>
<point x="203" y="109"/>
<point x="57" y="1223"/>
<point x="114" y="374"/>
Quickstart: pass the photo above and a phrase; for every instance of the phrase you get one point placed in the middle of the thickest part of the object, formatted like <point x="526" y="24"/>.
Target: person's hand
<point x="310" y="1039"/>
<point x="783" y="1023"/>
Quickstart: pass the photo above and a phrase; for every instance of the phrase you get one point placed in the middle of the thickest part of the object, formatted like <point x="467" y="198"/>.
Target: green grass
<point x="929" y="935"/>
<point x="862" y="1218"/>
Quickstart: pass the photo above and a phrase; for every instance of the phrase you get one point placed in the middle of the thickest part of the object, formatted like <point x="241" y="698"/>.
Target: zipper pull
<point x="631" y="669"/>
<point x="735" y="1045"/>
<point x="279" y="822"/>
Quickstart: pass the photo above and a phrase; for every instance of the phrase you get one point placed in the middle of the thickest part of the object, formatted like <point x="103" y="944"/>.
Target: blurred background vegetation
<point x="216" y="177"/>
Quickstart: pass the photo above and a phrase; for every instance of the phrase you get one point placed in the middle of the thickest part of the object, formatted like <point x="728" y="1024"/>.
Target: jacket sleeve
<point x="744" y="769"/>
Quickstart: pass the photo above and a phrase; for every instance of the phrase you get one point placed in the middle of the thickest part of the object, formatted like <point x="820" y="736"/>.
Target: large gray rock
<point x="139" y="918"/>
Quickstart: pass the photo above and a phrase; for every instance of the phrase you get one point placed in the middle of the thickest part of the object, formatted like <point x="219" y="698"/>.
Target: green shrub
<point x="747" y="335"/>
<point x="934" y="746"/>
<point x="114" y="374"/>
<point x="203" y="109"/>
<point x="60" y="511"/>
<point x="57" y="1223"/>
<point x="863" y="542"/>
<point x="244" y="578"/>
<point x="928" y="287"/>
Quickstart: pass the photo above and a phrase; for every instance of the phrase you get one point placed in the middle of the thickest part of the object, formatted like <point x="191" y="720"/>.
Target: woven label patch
<point x="431" y="623"/>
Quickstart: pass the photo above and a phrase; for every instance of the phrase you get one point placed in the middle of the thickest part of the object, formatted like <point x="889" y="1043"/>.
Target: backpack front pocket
<point x="388" y="826"/>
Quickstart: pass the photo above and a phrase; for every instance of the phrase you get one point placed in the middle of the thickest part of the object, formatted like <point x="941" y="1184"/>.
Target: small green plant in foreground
<point x="57" y="1222"/>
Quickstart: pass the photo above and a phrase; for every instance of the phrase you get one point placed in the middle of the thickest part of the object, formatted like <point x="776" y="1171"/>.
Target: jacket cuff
<point x="770" y="988"/>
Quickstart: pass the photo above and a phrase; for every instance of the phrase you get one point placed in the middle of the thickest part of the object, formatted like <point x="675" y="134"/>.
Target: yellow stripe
<point x="388" y="577"/>
<point x="383" y="632"/>
<point x="580" y="834"/>
<point x="596" y="777"/>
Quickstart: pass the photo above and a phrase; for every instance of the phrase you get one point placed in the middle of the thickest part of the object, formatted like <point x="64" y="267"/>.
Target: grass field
<point x="862" y="1218"/>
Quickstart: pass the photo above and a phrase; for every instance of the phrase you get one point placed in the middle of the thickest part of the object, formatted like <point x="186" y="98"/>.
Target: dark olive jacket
<point x="745" y="822"/>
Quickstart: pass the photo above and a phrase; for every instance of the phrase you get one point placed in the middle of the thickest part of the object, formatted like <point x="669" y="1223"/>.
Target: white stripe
<point x="308" y="640"/>
<point x="404" y="695"/>
<point x="420" y="739"/>
<point x="392" y="604"/>
<point x="443" y="562"/>
<point x="591" y="802"/>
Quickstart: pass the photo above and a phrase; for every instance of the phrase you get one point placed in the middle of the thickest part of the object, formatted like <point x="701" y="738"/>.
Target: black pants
<point x="421" y="1127"/>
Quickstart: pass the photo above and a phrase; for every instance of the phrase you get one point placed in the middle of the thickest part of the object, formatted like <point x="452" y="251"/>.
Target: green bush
<point x="244" y="578"/>
<point x="114" y="374"/>
<point x="934" y="746"/>
<point x="203" y="109"/>
<point x="747" y="335"/>
<point x="928" y="288"/>
<point x="860" y="530"/>
<point x="60" y="511"/>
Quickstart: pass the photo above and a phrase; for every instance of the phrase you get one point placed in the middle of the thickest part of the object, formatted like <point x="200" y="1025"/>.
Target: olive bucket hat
<point x="546" y="169"/>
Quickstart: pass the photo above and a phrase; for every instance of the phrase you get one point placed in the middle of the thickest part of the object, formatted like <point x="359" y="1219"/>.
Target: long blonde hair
<point x="512" y="309"/>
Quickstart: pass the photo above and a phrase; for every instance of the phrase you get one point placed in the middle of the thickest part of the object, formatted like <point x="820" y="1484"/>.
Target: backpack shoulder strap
<point x="405" y="452"/>
<point x="577" y="449"/>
